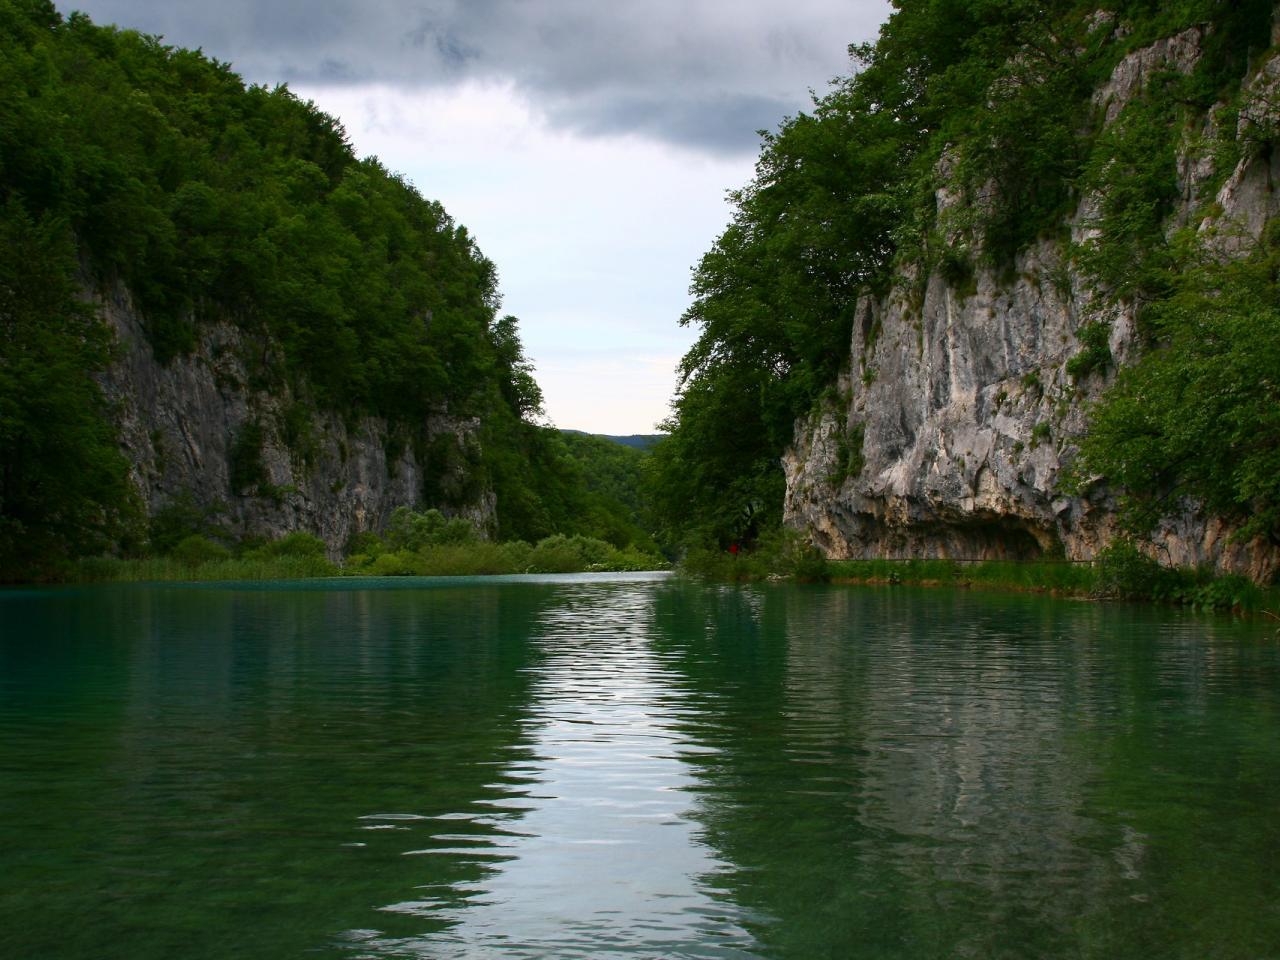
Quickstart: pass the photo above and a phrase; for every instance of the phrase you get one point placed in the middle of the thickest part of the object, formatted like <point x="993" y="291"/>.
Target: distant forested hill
<point x="638" y="441"/>
<point x="614" y="473"/>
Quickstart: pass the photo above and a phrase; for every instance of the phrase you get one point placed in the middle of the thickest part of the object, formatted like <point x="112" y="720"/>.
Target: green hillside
<point x="129" y="164"/>
<point x="994" y="102"/>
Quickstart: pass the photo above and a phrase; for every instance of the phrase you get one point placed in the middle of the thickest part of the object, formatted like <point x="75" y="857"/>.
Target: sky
<point x="587" y="145"/>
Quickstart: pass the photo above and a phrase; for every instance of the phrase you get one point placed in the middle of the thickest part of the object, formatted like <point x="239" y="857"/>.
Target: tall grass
<point x="1073" y="579"/>
<point x="782" y="554"/>
<point x="102" y="569"/>
<point x="1121" y="572"/>
<point x="301" y="556"/>
<point x="556" y="554"/>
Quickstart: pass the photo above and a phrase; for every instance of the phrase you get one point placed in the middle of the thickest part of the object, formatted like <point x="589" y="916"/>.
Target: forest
<point x="993" y="99"/>
<point x="124" y="161"/>
<point x="127" y="162"/>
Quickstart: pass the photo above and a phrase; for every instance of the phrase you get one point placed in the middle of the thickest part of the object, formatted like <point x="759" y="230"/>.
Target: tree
<point x="64" y="487"/>
<point x="1198" y="415"/>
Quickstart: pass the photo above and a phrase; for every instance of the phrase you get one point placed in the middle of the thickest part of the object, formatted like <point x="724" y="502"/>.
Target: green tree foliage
<point x="195" y="549"/>
<point x="516" y="382"/>
<point x="409" y="530"/>
<point x="183" y="517"/>
<point x="991" y="99"/>
<point x="549" y="482"/>
<point x="617" y="506"/>
<point x="299" y="543"/>
<point x="210" y="198"/>
<point x="64" y="487"/>
<point x="430" y="544"/>
<point x="1198" y="415"/>
<point x="127" y="161"/>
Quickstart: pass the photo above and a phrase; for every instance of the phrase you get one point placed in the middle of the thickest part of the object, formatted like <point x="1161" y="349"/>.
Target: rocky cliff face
<point x="956" y="416"/>
<point x="183" y="424"/>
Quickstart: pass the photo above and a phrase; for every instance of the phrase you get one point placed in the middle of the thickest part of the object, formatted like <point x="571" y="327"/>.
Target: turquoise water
<point x="630" y="765"/>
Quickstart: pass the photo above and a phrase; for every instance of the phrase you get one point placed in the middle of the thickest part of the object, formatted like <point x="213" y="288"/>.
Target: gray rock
<point x="967" y="414"/>
<point x="178" y="423"/>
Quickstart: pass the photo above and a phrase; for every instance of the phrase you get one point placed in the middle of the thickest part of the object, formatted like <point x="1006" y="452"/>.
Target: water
<point x="610" y="766"/>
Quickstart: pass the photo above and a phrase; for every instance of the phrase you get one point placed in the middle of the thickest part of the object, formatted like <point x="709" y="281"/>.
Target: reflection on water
<point x="925" y="773"/>
<point x="589" y="852"/>
<point x="609" y="766"/>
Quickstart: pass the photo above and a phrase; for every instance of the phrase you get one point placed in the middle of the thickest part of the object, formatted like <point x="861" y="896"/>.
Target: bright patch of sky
<point x="586" y="146"/>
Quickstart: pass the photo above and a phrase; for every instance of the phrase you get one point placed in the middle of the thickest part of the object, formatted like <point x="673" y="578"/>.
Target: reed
<point x="167" y="569"/>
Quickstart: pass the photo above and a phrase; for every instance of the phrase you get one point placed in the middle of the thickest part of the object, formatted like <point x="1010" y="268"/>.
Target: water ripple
<point x="609" y="767"/>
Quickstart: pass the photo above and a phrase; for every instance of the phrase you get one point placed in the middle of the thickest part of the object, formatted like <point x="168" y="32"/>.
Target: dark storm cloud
<point x="705" y="73"/>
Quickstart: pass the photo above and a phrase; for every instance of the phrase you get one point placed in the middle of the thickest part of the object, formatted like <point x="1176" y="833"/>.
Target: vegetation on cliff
<point x="992" y="101"/>
<point x="64" y="485"/>
<point x="1198" y="417"/>
<point x="129" y="164"/>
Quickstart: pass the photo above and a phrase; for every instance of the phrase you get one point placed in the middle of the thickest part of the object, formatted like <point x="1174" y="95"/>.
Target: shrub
<point x="559" y="554"/>
<point x="519" y="556"/>
<point x="181" y="517"/>
<point x="1096" y="353"/>
<point x="399" y="563"/>
<point x="787" y="553"/>
<point x="1126" y="573"/>
<point x="780" y="553"/>
<point x="1040" y="433"/>
<point x="464" y="560"/>
<point x="850" y="459"/>
<point x="635" y="560"/>
<point x="366" y="543"/>
<point x="555" y="554"/>
<point x="1229" y="592"/>
<point x="299" y="543"/>
<point x="411" y="530"/>
<point x="194" y="550"/>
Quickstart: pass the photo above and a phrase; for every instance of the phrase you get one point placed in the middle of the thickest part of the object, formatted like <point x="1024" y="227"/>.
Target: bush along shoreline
<point x="424" y="544"/>
<point x="429" y="544"/>
<point x="1120" y="572"/>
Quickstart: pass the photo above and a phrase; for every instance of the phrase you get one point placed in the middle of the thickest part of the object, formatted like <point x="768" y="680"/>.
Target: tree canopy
<point x="126" y="161"/>
<point x="989" y="98"/>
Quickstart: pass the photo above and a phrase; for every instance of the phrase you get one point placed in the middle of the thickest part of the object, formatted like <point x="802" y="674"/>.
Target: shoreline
<point x="959" y="585"/>
<point x="1095" y="581"/>
<point x="1119" y="574"/>
<point x="1083" y="581"/>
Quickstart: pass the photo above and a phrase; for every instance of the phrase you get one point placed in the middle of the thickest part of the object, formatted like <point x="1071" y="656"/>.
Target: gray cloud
<point x="726" y="121"/>
<point x="703" y="73"/>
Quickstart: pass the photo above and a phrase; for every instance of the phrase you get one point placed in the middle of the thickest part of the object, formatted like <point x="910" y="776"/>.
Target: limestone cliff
<point x="956" y="416"/>
<point x="182" y="424"/>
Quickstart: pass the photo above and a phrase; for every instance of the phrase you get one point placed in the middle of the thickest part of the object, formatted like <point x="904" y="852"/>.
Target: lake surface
<point x="630" y="765"/>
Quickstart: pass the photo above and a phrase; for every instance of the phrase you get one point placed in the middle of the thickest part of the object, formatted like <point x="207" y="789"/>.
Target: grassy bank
<point x="1061" y="578"/>
<point x="150" y="569"/>
<point x="1122" y="572"/>
<point x="556" y="554"/>
<point x="1100" y="581"/>
<point x="481" y="560"/>
<point x="414" y="544"/>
